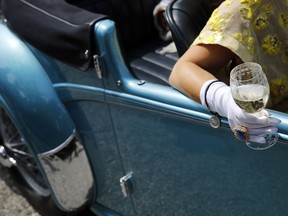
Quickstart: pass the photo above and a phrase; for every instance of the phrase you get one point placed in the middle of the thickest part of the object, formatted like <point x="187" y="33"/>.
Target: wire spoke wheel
<point x="27" y="173"/>
<point x="17" y="148"/>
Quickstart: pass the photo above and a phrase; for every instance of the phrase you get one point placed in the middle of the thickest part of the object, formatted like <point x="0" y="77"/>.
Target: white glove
<point x="220" y="100"/>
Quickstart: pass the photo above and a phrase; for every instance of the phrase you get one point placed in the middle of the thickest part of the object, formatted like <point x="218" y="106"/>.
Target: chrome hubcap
<point x="5" y="159"/>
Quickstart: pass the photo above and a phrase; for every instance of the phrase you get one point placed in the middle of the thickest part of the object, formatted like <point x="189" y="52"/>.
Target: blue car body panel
<point x="177" y="159"/>
<point x="28" y="95"/>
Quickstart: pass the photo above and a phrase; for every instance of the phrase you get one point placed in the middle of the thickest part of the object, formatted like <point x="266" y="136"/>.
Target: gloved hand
<point x="220" y="100"/>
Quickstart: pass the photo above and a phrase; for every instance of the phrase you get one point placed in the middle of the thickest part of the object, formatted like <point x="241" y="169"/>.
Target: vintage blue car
<point x="89" y="121"/>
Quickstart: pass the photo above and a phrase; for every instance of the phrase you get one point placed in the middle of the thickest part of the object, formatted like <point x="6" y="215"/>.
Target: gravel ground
<point x="12" y="203"/>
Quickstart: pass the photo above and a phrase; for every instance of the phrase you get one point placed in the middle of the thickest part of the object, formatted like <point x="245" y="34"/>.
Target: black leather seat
<point x="134" y="19"/>
<point x="138" y="36"/>
<point x="186" y="18"/>
<point x="139" y="39"/>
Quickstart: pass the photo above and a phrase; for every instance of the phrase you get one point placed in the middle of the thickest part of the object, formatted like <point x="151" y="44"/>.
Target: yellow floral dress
<point x="256" y="30"/>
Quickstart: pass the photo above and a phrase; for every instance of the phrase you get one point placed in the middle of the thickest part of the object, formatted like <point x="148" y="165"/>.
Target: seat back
<point x="186" y="18"/>
<point x="73" y="44"/>
<point x="133" y="18"/>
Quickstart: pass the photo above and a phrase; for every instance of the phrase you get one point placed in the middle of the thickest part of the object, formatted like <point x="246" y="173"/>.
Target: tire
<point x="26" y="173"/>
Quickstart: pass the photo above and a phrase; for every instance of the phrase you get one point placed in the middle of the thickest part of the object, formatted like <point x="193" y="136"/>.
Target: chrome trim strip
<point x="63" y="145"/>
<point x="68" y="173"/>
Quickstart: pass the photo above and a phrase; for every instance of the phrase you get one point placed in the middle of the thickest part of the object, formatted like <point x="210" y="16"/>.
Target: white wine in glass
<point x="250" y="91"/>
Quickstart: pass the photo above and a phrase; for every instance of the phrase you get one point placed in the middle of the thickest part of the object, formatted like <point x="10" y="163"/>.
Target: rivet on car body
<point x="215" y="121"/>
<point x="119" y="83"/>
<point x="141" y="82"/>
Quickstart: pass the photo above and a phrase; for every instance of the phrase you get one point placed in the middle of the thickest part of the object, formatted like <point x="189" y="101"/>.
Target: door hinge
<point x="97" y="66"/>
<point x="126" y="184"/>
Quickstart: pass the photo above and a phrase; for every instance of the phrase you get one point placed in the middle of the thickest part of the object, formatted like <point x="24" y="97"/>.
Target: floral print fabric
<point x="257" y="31"/>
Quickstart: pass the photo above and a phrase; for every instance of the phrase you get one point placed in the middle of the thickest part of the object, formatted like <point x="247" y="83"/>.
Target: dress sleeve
<point x="228" y="26"/>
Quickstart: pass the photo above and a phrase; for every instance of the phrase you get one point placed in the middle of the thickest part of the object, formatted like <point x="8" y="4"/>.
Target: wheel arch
<point x="29" y="96"/>
<point x="30" y="100"/>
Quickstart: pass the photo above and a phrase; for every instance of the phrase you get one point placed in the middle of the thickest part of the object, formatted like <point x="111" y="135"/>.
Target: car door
<point x="174" y="162"/>
<point x="180" y="165"/>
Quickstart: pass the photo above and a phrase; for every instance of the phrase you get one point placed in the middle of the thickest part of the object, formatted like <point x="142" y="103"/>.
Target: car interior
<point x="138" y="36"/>
<point x="141" y="45"/>
<point x="140" y="41"/>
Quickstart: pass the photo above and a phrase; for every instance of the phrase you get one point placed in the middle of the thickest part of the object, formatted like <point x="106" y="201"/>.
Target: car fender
<point x="29" y="98"/>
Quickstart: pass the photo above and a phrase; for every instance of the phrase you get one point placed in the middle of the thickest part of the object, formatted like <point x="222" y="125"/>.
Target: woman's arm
<point x="196" y="66"/>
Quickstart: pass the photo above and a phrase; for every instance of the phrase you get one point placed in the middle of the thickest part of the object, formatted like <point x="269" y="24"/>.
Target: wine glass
<point x="250" y="91"/>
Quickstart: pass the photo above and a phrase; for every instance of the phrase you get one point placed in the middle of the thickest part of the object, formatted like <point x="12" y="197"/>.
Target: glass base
<point x="271" y="140"/>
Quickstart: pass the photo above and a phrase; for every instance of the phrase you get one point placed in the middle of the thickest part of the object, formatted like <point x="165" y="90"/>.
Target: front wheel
<point x="26" y="172"/>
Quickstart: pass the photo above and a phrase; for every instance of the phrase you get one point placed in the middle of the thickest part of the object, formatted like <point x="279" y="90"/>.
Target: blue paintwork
<point x="180" y="164"/>
<point x="130" y="88"/>
<point x="29" y="97"/>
